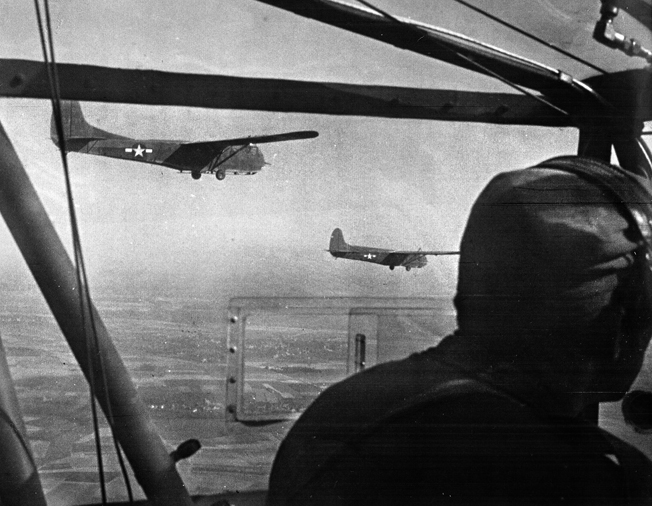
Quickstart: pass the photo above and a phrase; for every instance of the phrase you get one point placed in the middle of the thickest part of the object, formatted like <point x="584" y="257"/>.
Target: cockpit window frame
<point x="242" y="309"/>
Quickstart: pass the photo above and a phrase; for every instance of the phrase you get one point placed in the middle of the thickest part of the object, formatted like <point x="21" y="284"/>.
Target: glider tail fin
<point x="75" y="127"/>
<point x="338" y="244"/>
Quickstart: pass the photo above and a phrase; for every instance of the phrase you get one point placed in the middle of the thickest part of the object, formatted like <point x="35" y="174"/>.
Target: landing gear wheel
<point x="195" y="175"/>
<point x="391" y="267"/>
<point x="220" y="174"/>
<point x="408" y="269"/>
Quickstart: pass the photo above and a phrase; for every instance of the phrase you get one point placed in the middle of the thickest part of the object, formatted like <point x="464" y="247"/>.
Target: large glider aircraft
<point x="233" y="156"/>
<point x="339" y="248"/>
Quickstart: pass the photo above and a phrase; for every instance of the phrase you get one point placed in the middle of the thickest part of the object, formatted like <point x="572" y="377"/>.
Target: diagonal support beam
<point x="54" y="273"/>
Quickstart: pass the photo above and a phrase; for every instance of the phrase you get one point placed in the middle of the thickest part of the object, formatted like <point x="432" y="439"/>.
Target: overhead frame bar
<point x="28" y="79"/>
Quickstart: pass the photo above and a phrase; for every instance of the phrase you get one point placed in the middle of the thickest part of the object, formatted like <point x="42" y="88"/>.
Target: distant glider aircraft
<point x="393" y="258"/>
<point x="233" y="156"/>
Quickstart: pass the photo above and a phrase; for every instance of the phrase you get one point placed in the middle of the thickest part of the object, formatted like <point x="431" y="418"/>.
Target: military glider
<point x="233" y="156"/>
<point x="340" y="249"/>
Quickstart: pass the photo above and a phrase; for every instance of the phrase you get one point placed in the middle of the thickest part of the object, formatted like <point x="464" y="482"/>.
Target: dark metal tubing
<point x="432" y="42"/>
<point x="19" y="480"/>
<point x="28" y="79"/>
<point x="54" y="272"/>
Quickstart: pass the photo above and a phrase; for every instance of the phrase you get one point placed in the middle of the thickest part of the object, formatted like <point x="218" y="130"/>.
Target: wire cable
<point x="531" y="36"/>
<point x="56" y="111"/>
<point x="472" y="62"/>
<point x="86" y="291"/>
<point x="88" y="319"/>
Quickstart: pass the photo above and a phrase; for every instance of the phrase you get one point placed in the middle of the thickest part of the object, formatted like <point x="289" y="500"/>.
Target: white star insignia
<point x="138" y="150"/>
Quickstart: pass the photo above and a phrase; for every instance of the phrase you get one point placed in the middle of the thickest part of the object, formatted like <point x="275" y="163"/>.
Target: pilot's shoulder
<point x="371" y="393"/>
<point x="345" y="412"/>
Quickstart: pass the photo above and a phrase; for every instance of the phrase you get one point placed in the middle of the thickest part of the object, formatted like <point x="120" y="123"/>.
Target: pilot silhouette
<point x="554" y="316"/>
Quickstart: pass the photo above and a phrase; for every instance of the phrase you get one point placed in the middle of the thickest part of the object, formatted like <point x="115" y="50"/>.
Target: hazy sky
<point x="388" y="183"/>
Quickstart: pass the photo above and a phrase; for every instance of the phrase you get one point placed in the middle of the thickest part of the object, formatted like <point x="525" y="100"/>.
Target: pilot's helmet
<point x="560" y="254"/>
